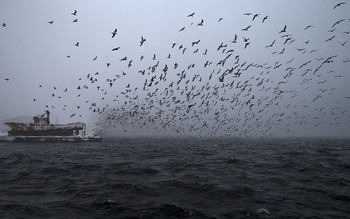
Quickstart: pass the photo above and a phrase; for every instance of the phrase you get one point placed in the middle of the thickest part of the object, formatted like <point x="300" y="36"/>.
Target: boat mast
<point x="47" y="117"/>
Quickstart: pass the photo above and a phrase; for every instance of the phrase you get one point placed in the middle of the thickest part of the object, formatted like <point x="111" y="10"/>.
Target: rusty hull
<point x="21" y="129"/>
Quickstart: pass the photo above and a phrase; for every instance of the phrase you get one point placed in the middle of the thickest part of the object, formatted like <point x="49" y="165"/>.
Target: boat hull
<point x="50" y="138"/>
<point x="20" y="129"/>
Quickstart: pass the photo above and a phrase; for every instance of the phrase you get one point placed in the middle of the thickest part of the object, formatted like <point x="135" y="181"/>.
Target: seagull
<point x="50" y="22"/>
<point x="220" y="19"/>
<point x="3" y="24"/>
<point x="77" y="44"/>
<point x="310" y="26"/>
<point x="6" y="79"/>
<point x="280" y="53"/>
<point x="270" y="44"/>
<point x="191" y="15"/>
<point x="94" y="58"/>
<point x="201" y="23"/>
<point x="235" y="39"/>
<point x="264" y="18"/>
<point x="74" y="13"/>
<point x="343" y="44"/>
<point x="76" y="20"/>
<point x="339" y="4"/>
<point x="195" y="42"/>
<point x="72" y="115"/>
<point x="246" y="29"/>
<point x="330" y="38"/>
<point x="143" y="40"/>
<point x="337" y="22"/>
<point x="181" y="29"/>
<point x="284" y="29"/>
<point x="116" y="49"/>
<point x="255" y="16"/>
<point x="114" y="32"/>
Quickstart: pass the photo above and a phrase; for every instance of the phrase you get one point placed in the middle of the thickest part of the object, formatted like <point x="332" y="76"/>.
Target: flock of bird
<point x="226" y="95"/>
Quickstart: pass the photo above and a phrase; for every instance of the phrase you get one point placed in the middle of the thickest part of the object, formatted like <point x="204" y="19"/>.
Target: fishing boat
<point x="42" y="130"/>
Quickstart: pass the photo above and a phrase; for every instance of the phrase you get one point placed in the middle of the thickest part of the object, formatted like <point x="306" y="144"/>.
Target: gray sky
<point x="287" y="98"/>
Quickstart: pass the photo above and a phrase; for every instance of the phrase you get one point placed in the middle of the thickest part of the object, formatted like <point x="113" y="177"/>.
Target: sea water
<point x="176" y="178"/>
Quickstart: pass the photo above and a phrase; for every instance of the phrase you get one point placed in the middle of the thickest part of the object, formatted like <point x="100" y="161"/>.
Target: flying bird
<point x="75" y="20"/>
<point x="270" y="44"/>
<point x="116" y="49"/>
<point x="77" y="44"/>
<point x="338" y="22"/>
<point x="50" y="22"/>
<point x="181" y="29"/>
<point x="220" y="19"/>
<point x="264" y="18"/>
<point x="114" y="32"/>
<point x="74" y="13"/>
<point x="201" y="23"/>
<point x="343" y="44"/>
<point x="191" y="15"/>
<point x="339" y="4"/>
<point x="246" y="29"/>
<point x="143" y="40"/>
<point x="284" y="29"/>
<point x="309" y="26"/>
<point x="3" y="24"/>
<point x="255" y="16"/>
<point x="330" y="38"/>
<point x="195" y="42"/>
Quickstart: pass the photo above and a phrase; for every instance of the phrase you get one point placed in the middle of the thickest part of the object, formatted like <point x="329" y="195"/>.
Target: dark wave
<point x="176" y="178"/>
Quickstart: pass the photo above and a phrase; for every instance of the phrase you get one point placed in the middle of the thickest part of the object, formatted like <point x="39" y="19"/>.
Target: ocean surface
<point x="177" y="178"/>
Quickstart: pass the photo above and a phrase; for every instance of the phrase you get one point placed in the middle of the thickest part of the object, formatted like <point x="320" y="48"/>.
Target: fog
<point x="285" y="75"/>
